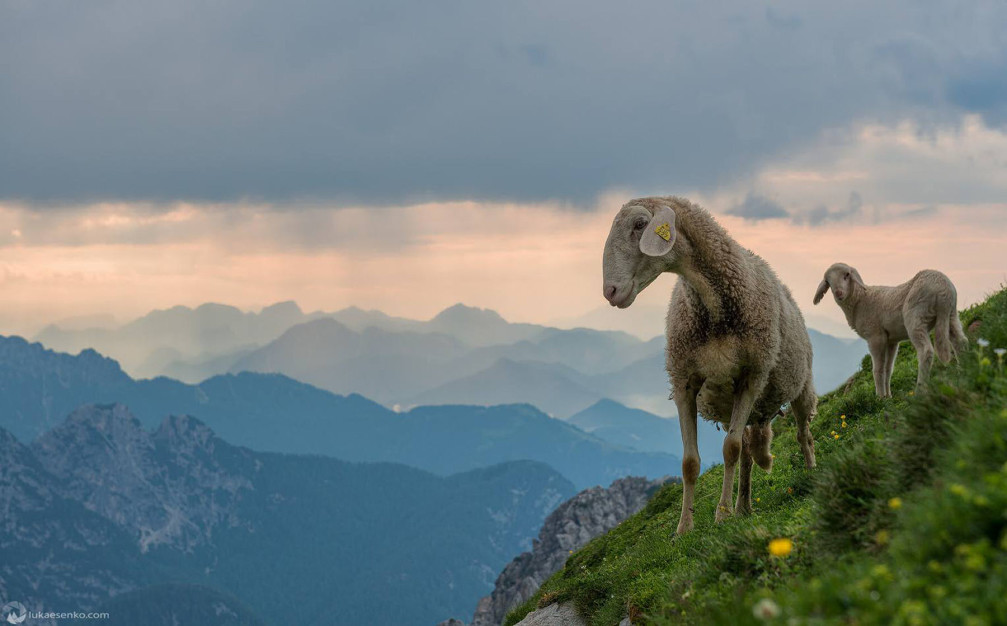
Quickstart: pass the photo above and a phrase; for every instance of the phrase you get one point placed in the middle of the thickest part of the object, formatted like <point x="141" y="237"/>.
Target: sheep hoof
<point x="684" y="526"/>
<point x="723" y="512"/>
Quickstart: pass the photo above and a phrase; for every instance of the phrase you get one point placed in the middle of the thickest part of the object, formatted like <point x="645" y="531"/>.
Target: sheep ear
<point x="822" y="288"/>
<point x="659" y="236"/>
<point x="856" y="277"/>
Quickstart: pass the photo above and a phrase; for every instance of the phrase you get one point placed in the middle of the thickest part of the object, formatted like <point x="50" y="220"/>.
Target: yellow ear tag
<point x="664" y="231"/>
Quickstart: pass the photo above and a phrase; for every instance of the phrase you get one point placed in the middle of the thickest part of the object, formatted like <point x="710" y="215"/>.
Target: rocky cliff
<point x="590" y="513"/>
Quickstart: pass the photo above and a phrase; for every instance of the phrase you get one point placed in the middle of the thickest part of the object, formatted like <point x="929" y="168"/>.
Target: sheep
<point x="884" y="316"/>
<point x="737" y="347"/>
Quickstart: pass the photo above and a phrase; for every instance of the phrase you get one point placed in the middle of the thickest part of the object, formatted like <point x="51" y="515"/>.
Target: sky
<point x="406" y="156"/>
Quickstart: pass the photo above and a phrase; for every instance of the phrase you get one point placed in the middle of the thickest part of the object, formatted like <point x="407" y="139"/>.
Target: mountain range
<point x="463" y="355"/>
<point x="274" y="413"/>
<point x="99" y="507"/>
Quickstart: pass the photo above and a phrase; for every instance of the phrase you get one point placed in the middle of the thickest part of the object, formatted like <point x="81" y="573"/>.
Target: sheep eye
<point x="639" y="225"/>
<point x="847" y="276"/>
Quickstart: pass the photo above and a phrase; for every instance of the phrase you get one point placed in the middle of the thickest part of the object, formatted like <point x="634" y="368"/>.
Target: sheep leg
<point x="805" y="405"/>
<point x="686" y="403"/>
<point x="919" y="335"/>
<point x="743" y="505"/>
<point x="761" y="440"/>
<point x="958" y="338"/>
<point x="892" y="352"/>
<point x="879" y="349"/>
<point x="743" y="402"/>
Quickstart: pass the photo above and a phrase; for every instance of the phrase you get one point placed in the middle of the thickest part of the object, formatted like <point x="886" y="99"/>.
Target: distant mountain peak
<point x="287" y="307"/>
<point x="24" y="353"/>
<point x="217" y="306"/>
<point x="605" y="403"/>
<point x="464" y="313"/>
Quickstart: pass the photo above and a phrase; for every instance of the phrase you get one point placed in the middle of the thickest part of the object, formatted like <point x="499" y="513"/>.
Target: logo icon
<point x="13" y="613"/>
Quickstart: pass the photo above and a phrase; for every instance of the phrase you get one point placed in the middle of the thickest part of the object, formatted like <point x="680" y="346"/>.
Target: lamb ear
<point x="659" y="235"/>
<point x="856" y="277"/>
<point x="822" y="288"/>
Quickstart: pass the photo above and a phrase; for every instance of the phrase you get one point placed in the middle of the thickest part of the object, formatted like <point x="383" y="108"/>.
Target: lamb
<point x="884" y="316"/>
<point x="737" y="348"/>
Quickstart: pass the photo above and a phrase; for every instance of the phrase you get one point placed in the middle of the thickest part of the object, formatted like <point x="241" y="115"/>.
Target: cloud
<point x="755" y="207"/>
<point x="398" y="102"/>
<point x="823" y="214"/>
<point x="876" y="173"/>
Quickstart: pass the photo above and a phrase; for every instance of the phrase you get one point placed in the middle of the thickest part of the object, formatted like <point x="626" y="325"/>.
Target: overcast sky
<point x="408" y="155"/>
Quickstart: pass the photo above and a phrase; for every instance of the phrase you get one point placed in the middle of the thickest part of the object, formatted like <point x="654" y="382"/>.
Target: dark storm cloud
<point x="392" y="100"/>
<point x="755" y="207"/>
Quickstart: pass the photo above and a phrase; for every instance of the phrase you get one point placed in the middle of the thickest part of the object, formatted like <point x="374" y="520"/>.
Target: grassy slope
<point x="903" y="521"/>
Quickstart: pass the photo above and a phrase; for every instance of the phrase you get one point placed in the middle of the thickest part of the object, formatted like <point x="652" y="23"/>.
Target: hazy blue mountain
<point x="296" y="539"/>
<point x="549" y="386"/>
<point x="410" y="368"/>
<point x="480" y="327"/>
<point x="563" y="388"/>
<point x="835" y="359"/>
<point x="642" y="384"/>
<point x="462" y="355"/>
<point x="358" y="319"/>
<point x="384" y="365"/>
<point x="274" y="413"/>
<point x="628" y="427"/>
<point x="200" y="367"/>
<point x="148" y="344"/>
<point x="634" y="428"/>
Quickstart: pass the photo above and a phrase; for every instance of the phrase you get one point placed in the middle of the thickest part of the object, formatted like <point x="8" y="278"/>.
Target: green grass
<point x="904" y="521"/>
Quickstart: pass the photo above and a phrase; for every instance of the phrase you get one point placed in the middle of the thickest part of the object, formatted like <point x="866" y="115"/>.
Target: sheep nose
<point x="609" y="292"/>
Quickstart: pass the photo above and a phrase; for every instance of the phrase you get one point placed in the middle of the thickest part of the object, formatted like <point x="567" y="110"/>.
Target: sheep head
<point x="842" y="279"/>
<point x="638" y="249"/>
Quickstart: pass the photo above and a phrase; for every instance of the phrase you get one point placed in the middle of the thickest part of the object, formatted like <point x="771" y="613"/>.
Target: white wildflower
<point x="766" y="609"/>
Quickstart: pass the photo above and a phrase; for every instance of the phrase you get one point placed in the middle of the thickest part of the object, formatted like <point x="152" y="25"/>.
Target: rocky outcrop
<point x="167" y="487"/>
<point x="587" y="515"/>
<point x="554" y="615"/>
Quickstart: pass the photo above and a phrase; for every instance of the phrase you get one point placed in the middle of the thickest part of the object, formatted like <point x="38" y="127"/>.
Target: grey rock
<point x="554" y="615"/>
<point x="587" y="515"/>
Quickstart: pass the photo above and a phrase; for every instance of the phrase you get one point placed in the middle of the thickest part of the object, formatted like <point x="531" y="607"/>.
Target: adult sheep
<point x="737" y="350"/>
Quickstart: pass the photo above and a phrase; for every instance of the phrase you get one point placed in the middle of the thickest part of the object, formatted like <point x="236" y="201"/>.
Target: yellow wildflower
<point x="781" y="547"/>
<point x="844" y="424"/>
<point x="895" y="503"/>
<point x="836" y="436"/>
<point x="958" y="490"/>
